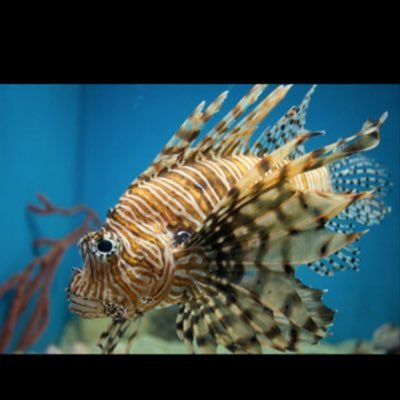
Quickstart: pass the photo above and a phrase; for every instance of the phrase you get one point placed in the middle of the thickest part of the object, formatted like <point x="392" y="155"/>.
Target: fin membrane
<point x="274" y="310"/>
<point x="362" y="173"/>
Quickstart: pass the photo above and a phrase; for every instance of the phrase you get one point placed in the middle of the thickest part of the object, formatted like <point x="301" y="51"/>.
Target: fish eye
<point x="105" y="246"/>
<point x="181" y="236"/>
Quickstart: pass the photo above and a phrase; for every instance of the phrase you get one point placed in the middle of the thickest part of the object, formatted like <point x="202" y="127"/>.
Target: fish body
<point x="220" y="225"/>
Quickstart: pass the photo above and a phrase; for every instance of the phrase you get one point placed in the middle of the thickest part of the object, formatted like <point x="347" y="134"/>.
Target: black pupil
<point x="181" y="236"/>
<point x="104" y="246"/>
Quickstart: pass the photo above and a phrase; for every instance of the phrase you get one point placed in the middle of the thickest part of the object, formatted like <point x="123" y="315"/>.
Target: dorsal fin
<point x="182" y="139"/>
<point x="286" y="129"/>
<point x="227" y="137"/>
<point x="236" y="140"/>
<point x="265" y="191"/>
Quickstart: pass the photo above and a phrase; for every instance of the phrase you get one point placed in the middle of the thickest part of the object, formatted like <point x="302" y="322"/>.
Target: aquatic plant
<point x="36" y="278"/>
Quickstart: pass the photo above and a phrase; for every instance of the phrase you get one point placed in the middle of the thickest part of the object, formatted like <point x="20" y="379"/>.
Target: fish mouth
<point x="101" y="306"/>
<point x="85" y="307"/>
<point x="92" y="308"/>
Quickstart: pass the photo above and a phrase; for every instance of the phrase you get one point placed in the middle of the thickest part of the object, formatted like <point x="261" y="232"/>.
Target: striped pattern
<point x="249" y="216"/>
<point x="317" y="180"/>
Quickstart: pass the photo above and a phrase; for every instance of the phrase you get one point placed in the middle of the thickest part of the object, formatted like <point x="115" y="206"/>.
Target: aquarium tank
<point x="81" y="145"/>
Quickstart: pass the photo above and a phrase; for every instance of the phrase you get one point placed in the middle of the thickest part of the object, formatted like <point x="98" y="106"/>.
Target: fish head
<point x="94" y="290"/>
<point x="117" y="279"/>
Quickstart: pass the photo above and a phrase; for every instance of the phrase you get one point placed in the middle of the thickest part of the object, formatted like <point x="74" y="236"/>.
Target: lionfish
<point x="218" y="226"/>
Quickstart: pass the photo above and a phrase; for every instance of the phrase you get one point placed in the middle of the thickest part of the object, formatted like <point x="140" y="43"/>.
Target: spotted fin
<point x="362" y="173"/>
<point x="264" y="218"/>
<point x="347" y="258"/>
<point x="363" y="140"/>
<point x="351" y="175"/>
<point x="264" y="185"/>
<point x="286" y="129"/>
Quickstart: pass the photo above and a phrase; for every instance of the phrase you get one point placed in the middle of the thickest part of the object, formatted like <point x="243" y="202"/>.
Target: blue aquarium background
<point x="86" y="143"/>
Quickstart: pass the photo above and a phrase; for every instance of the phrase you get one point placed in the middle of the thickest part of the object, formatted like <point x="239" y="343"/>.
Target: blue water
<point x="86" y="143"/>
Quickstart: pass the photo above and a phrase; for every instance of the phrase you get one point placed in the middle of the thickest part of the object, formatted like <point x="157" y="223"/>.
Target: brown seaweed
<point x="33" y="283"/>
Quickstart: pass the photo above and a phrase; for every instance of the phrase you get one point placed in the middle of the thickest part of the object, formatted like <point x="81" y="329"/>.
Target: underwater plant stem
<point x="27" y="284"/>
<point x="49" y="209"/>
<point x="9" y="285"/>
<point x="36" y="324"/>
<point x="12" y="318"/>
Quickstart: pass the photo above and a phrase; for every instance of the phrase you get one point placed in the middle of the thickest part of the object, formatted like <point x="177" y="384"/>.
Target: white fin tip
<point x="383" y="118"/>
